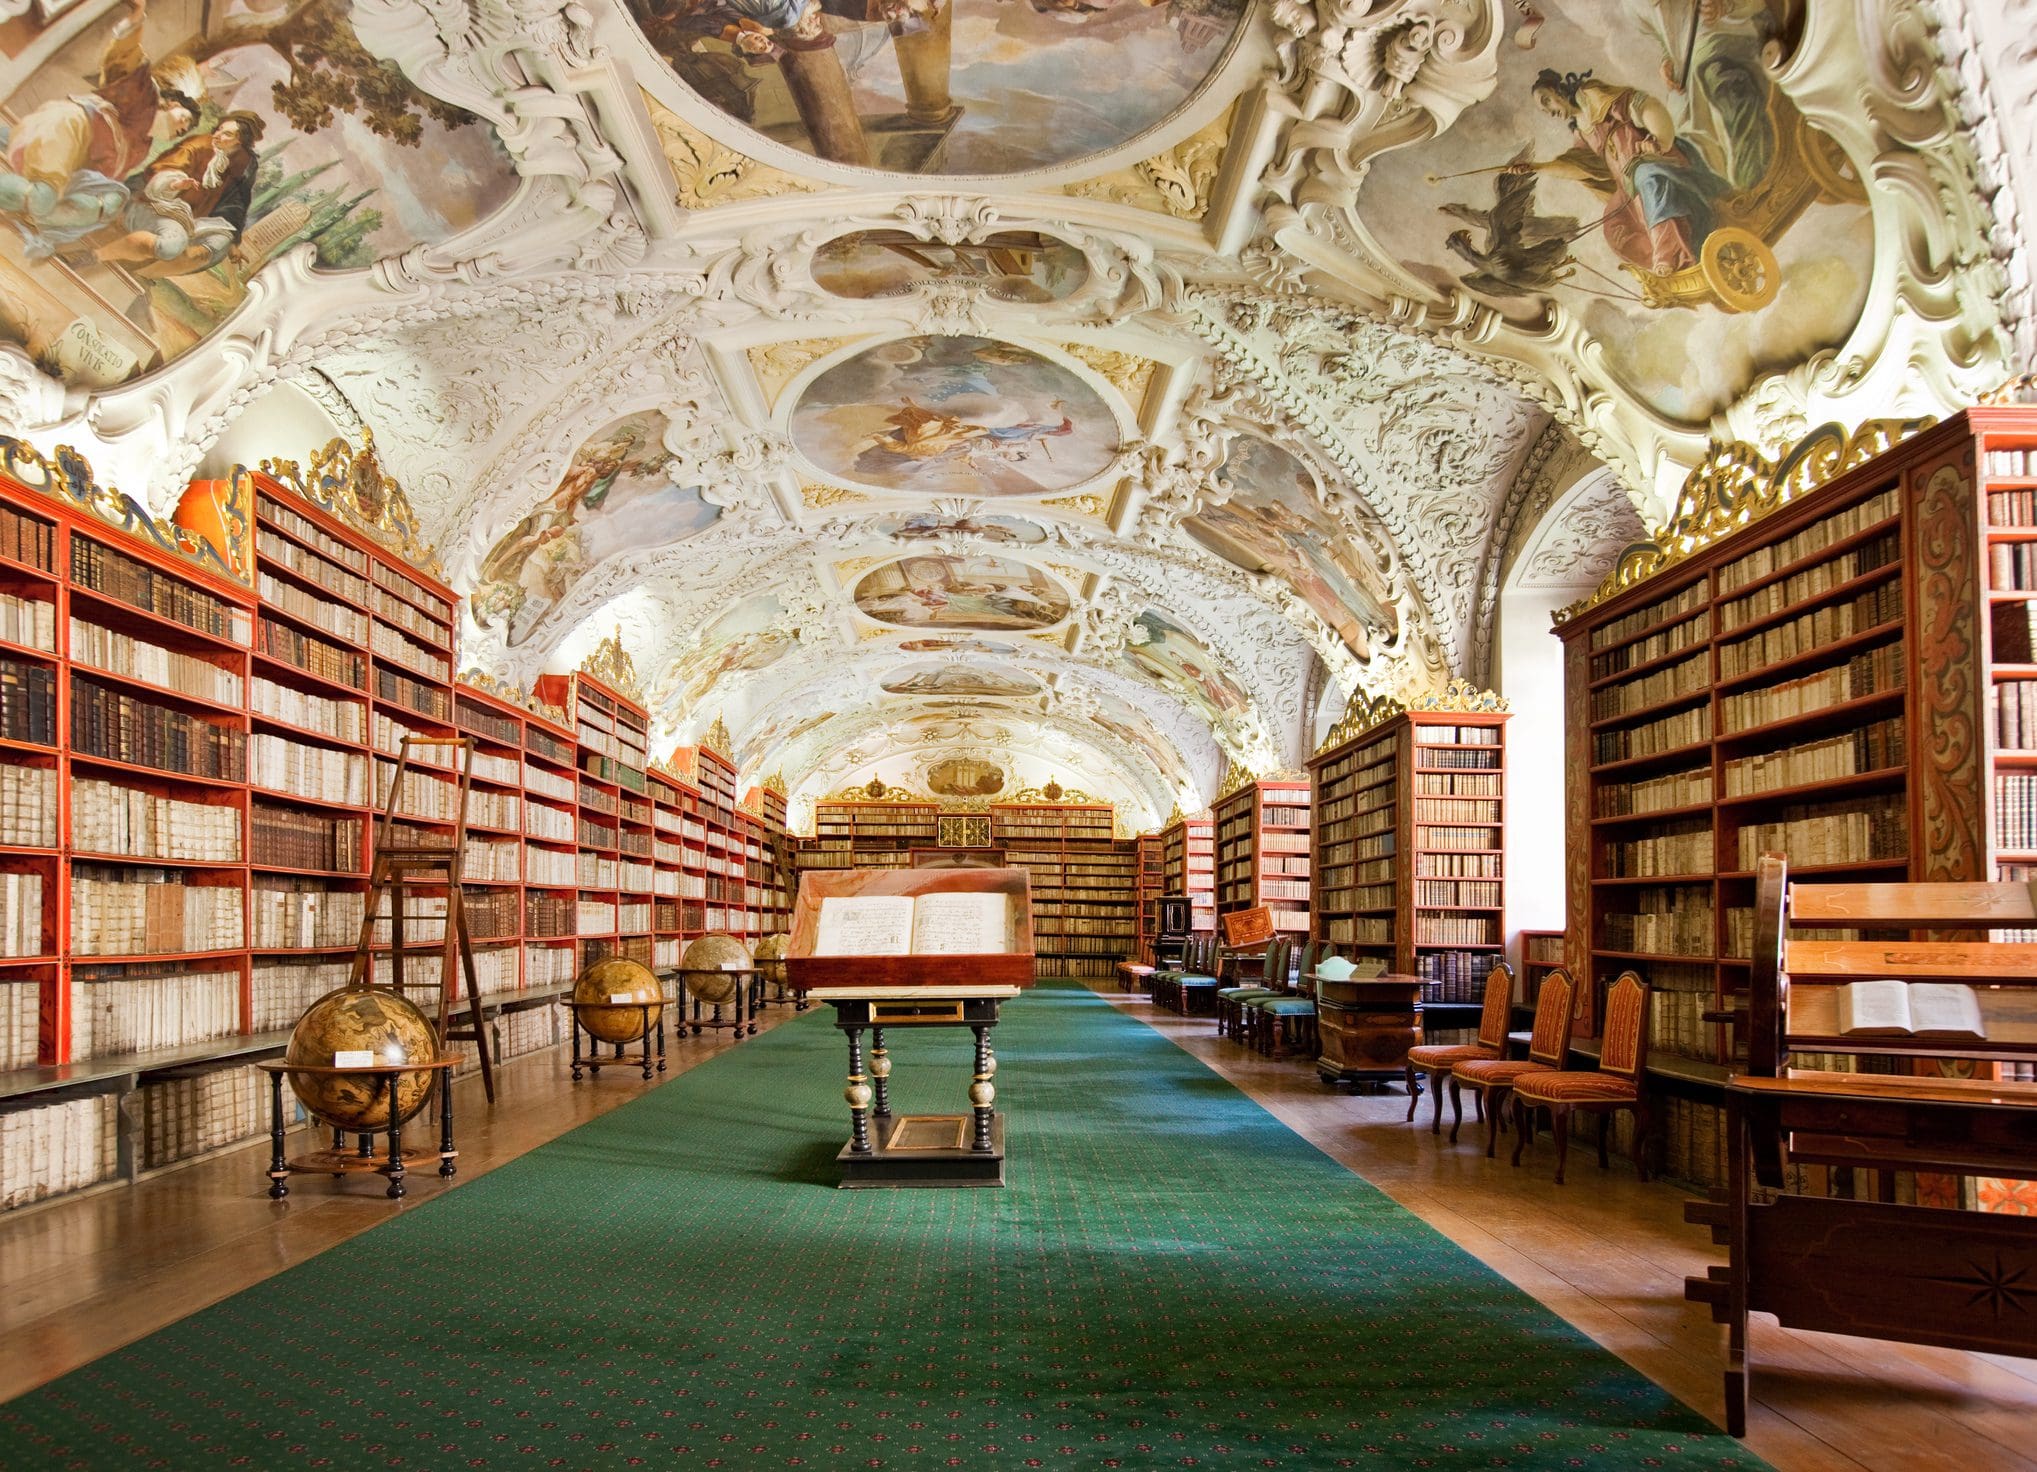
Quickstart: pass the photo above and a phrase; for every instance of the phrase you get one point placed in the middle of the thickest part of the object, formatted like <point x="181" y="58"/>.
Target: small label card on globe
<point x="623" y="997"/>
<point x="354" y="1058"/>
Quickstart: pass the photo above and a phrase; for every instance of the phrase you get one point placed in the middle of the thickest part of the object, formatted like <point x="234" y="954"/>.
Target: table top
<point x="909" y="993"/>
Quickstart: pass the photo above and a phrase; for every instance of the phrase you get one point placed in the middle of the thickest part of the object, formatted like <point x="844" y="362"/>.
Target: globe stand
<point x="592" y="1060"/>
<point x="742" y="1001"/>
<point x="339" y="1161"/>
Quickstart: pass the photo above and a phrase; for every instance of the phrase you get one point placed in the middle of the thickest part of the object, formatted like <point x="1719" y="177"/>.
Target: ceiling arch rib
<point x="874" y="378"/>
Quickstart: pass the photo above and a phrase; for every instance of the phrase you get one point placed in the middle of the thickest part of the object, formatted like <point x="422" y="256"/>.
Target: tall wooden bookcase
<point x="871" y="834"/>
<point x="1408" y="839"/>
<point x="1084" y="883"/>
<point x="1262" y="851"/>
<point x="1831" y="673"/>
<point x="168" y="726"/>
<point x="1151" y="872"/>
<point x="1188" y="866"/>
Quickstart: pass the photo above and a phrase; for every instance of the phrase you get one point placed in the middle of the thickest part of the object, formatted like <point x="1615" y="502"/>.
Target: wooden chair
<point x="1435" y="1060"/>
<point x="1231" y="999"/>
<point x="1615" y="1085"/>
<point x="1163" y="987"/>
<point x="1287" y="1017"/>
<point x="1493" y="1079"/>
<point x="1197" y="986"/>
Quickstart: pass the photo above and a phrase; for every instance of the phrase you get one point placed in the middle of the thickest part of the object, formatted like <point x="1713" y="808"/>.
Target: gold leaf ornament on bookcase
<point x="875" y="790"/>
<point x="1236" y="776"/>
<point x="775" y="783"/>
<point x="717" y="738"/>
<point x="611" y="664"/>
<point x="351" y="484"/>
<point x="67" y="477"/>
<point x="1362" y="714"/>
<point x="1461" y="697"/>
<point x="1735" y="486"/>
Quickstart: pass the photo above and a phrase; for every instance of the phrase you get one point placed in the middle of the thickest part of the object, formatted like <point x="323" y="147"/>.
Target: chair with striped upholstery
<point x="1616" y="1083"/>
<point x="1493" y="1079"/>
<point x="1435" y="1060"/>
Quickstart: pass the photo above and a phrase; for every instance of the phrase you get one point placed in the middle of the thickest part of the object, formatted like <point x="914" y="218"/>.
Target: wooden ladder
<point x="401" y="870"/>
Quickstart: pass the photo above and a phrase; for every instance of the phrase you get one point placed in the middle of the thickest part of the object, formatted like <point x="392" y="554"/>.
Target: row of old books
<point x="1457" y="866"/>
<point x="302" y="915"/>
<point x="308" y="531"/>
<point x="316" y="656"/>
<point x="344" y="720"/>
<point x="1457" y="810"/>
<point x="113" y="724"/>
<point x="494" y="913"/>
<point x="282" y="988"/>
<point x="1879" y="605"/>
<point x="1870" y="672"/>
<point x="1869" y="556"/>
<point x="1654" y="688"/>
<point x="21" y="915"/>
<point x="27" y="539"/>
<point x="1455" y="976"/>
<point x="1446" y="894"/>
<point x="122" y="1009"/>
<point x="1664" y="922"/>
<point x="118" y="576"/>
<point x="2012" y="508"/>
<point x="48" y="1149"/>
<point x="1875" y="747"/>
<point x="2007" y="462"/>
<point x="279" y="764"/>
<point x="1857" y="830"/>
<point x="2012" y="565"/>
<point x="298" y="838"/>
<point x="1653" y="794"/>
<point x="387" y="643"/>
<point x="1685" y="635"/>
<point x="1457" y="784"/>
<point x="2015" y="712"/>
<point x="1457" y="837"/>
<point x="151" y="912"/>
<point x="1822" y="533"/>
<point x="28" y="806"/>
<point x="107" y="818"/>
<point x="1457" y="736"/>
<point x="556" y="825"/>
<point x="1683" y="601"/>
<point x="1683" y="848"/>
<point x="430" y="627"/>
<point x="20" y="1023"/>
<point x="2016" y="810"/>
<point x="492" y="861"/>
<point x="28" y="621"/>
<point x="28" y="702"/>
<point x="187" y="1115"/>
<point x="547" y="915"/>
<point x="349" y="625"/>
<point x="1680" y="995"/>
<point x="1671" y="732"/>
<point x="425" y="700"/>
<point x="1456" y="930"/>
<point x="310" y="566"/>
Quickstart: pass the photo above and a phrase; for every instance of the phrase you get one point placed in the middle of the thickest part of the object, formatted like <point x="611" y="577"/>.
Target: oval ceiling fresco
<point x="925" y="526"/>
<point x="965" y="776"/>
<point x="1273" y="523"/>
<point x="1012" y="266"/>
<point x="1162" y="652"/>
<point x="614" y="496"/>
<point x="961" y="593"/>
<point x="955" y="416"/>
<point x="944" y="87"/>
<point x="961" y="679"/>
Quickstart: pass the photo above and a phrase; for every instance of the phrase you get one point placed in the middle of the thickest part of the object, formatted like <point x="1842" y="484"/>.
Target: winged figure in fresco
<point x="1524" y="252"/>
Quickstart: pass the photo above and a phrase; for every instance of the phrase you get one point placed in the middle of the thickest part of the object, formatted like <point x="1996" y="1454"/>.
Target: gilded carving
<point x="778" y="363"/>
<point x="821" y="496"/>
<point x="352" y="485"/>
<point x="66" y="477"/>
<point x="1128" y="373"/>
<point x="1177" y="181"/>
<point x="611" y="664"/>
<point x="710" y="173"/>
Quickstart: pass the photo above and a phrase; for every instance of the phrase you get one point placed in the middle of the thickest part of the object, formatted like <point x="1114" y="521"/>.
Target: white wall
<point x="284" y="424"/>
<point x="1528" y="670"/>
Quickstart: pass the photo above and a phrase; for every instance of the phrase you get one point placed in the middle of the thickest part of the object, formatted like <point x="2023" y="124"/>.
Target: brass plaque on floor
<point x="931" y="1132"/>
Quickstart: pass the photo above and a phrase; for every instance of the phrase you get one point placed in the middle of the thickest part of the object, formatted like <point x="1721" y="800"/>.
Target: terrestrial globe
<point x="713" y="967"/>
<point x="771" y="957"/>
<point x="370" y="1020"/>
<point x="610" y="995"/>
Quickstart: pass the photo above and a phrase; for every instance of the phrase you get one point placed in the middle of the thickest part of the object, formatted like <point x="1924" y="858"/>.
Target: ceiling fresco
<point x="955" y="415"/>
<point x="943" y="87"/>
<point x="1084" y="390"/>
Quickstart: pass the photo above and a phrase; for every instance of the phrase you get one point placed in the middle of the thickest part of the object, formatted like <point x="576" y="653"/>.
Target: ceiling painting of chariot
<point x="961" y="593"/>
<point x="615" y="496"/>
<point x="1639" y="166"/>
<point x="944" y="87"/>
<point x="1012" y="266"/>
<point x="1274" y="523"/>
<point x="955" y="416"/>
<point x="162" y="154"/>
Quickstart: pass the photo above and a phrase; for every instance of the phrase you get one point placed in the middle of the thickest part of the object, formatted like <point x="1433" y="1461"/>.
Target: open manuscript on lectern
<point x="911" y="927"/>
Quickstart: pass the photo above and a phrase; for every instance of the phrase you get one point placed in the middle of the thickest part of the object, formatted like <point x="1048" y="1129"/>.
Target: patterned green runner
<point x="1171" y="1279"/>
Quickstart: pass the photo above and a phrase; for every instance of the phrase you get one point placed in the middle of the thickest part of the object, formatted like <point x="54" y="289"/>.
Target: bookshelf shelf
<point x="1261" y="851"/>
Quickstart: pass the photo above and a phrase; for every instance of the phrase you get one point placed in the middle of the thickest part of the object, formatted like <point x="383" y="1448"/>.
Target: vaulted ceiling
<point x="1092" y="389"/>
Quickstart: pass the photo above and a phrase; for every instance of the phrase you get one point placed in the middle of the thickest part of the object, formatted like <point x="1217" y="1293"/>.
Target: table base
<point x="916" y="1150"/>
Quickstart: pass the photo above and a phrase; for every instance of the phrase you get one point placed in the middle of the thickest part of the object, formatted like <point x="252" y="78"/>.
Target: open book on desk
<point x="951" y="923"/>
<point x="1912" y="1009"/>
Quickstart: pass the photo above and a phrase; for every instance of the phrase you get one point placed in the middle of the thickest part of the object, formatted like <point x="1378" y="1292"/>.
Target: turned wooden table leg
<point x="982" y="1091"/>
<point x="880" y="1073"/>
<point x="446" y="1152"/>
<point x="859" y="1095"/>
<point x="395" y="1144"/>
<point x="279" y="1168"/>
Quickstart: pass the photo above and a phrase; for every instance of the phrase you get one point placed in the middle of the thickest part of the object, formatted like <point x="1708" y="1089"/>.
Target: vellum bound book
<point x="1910" y="1009"/>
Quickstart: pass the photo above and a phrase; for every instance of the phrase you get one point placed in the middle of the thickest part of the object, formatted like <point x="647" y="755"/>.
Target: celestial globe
<point x="610" y="997"/>
<point x="357" y="1020"/>
<point x="771" y="957"/>
<point x="713" y="967"/>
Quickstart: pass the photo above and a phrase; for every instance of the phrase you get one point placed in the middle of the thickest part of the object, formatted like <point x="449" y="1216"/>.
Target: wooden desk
<point x="1365" y="1025"/>
<point x="918" y="1149"/>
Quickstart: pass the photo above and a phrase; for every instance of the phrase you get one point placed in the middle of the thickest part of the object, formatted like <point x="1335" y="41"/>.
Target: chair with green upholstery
<point x="1198" y="987"/>
<point x="1272" y="977"/>
<point x="1286" y="1018"/>
<point x="1163" y="987"/>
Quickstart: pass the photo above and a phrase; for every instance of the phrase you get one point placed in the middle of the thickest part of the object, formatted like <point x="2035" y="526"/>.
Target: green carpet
<point x="1172" y="1279"/>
